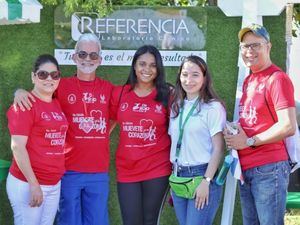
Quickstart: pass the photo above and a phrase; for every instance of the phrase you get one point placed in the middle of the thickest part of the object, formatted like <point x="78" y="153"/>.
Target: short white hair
<point x="88" y="37"/>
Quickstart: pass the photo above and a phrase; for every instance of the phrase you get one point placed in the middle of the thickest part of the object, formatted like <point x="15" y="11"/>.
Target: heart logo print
<point x="146" y="124"/>
<point x="97" y="114"/>
<point x="86" y="125"/>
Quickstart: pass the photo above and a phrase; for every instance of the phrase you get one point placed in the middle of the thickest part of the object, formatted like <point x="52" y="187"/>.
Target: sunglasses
<point x="84" y="55"/>
<point x="43" y="75"/>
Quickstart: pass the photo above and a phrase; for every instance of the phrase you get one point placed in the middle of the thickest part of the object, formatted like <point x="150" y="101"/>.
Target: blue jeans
<point x="84" y="199"/>
<point x="263" y="195"/>
<point x="185" y="210"/>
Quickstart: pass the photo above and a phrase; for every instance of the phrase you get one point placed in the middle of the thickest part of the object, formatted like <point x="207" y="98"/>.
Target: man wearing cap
<point x="267" y="116"/>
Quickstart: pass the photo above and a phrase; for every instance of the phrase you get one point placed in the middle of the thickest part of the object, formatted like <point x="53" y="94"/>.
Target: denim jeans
<point x="185" y="210"/>
<point x="263" y="195"/>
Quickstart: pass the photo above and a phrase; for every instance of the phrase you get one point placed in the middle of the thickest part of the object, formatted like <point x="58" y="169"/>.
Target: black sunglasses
<point x="84" y="55"/>
<point x="43" y="75"/>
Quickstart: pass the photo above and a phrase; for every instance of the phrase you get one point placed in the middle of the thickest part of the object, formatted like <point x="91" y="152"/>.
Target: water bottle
<point x="224" y="170"/>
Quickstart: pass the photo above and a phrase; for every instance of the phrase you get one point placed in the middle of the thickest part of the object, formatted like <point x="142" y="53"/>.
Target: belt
<point x="189" y="168"/>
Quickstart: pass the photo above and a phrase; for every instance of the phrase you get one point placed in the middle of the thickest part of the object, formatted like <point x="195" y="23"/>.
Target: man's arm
<point x="23" y="99"/>
<point x="284" y="127"/>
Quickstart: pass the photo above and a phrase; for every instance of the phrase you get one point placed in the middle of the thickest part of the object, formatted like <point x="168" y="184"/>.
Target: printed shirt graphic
<point x="46" y="126"/>
<point x="256" y="118"/>
<point x="87" y="142"/>
<point x="144" y="146"/>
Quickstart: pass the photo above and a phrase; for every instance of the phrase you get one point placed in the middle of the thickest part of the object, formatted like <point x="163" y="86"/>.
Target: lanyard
<point x="181" y="126"/>
<point x="83" y="100"/>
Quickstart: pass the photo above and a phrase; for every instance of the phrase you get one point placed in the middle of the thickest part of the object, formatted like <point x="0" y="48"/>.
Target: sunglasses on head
<point x="43" y="75"/>
<point x="84" y="55"/>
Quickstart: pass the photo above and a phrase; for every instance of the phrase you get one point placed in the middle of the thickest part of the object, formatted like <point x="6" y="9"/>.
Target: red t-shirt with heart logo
<point x="144" y="147"/>
<point x="260" y="90"/>
<point x="86" y="106"/>
<point x="46" y="126"/>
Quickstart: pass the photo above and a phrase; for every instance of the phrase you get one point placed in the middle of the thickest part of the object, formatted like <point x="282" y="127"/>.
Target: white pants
<point x="19" y="196"/>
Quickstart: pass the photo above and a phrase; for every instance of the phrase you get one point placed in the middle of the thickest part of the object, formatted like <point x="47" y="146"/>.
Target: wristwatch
<point x="250" y="142"/>
<point x="208" y="179"/>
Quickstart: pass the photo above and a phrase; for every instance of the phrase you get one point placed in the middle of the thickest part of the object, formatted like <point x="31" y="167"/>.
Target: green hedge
<point x="21" y="44"/>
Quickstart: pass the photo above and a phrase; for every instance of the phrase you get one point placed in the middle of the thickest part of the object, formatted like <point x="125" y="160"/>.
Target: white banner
<point x="124" y="57"/>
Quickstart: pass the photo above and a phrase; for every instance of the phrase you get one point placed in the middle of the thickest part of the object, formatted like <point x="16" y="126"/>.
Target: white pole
<point x="252" y="12"/>
<point x="250" y="15"/>
<point x="288" y="34"/>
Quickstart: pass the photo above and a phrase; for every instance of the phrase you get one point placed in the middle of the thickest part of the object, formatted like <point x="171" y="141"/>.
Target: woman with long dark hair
<point x="142" y="158"/>
<point x="196" y="124"/>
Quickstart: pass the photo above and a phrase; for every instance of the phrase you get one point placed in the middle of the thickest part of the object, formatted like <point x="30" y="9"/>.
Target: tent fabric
<point x="14" y="9"/>
<point x="293" y="200"/>
<point x="19" y="11"/>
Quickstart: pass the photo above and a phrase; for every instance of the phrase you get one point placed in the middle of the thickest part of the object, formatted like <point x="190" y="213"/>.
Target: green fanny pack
<point x="184" y="187"/>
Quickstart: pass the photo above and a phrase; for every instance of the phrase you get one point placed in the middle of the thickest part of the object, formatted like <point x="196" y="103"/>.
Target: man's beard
<point x="87" y="68"/>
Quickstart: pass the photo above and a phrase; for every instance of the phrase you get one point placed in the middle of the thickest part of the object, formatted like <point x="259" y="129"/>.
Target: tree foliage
<point x="296" y="19"/>
<point x="296" y="14"/>
<point x="103" y="7"/>
<point x="143" y="2"/>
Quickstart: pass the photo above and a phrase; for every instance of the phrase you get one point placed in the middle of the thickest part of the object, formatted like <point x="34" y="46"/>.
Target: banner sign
<point x="181" y="31"/>
<point x="124" y="57"/>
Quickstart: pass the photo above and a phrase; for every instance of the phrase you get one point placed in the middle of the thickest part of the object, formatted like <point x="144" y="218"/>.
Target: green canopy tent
<point x="19" y="11"/>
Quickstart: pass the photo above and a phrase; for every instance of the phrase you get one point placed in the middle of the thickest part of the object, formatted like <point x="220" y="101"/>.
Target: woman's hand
<point x="36" y="195"/>
<point x="202" y="195"/>
<point x="23" y="99"/>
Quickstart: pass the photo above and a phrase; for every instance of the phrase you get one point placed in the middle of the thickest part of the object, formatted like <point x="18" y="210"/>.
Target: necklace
<point x="87" y="123"/>
<point x="85" y="98"/>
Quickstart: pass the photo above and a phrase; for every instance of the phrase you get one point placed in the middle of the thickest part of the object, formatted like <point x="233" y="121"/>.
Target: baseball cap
<point x="256" y="29"/>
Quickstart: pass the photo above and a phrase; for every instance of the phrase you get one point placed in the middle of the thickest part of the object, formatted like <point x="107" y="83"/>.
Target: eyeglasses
<point x="253" y="46"/>
<point x="43" y="75"/>
<point x="84" y="55"/>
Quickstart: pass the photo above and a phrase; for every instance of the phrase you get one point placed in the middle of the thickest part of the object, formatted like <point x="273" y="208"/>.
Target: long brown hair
<point x="206" y="93"/>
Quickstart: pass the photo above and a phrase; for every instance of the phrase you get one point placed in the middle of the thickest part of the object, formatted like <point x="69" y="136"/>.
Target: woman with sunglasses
<point x="84" y="99"/>
<point x="197" y="120"/>
<point x="37" y="140"/>
<point x="142" y="158"/>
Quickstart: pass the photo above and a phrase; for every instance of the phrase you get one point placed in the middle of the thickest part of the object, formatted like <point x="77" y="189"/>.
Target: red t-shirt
<point x="256" y="118"/>
<point x="86" y="106"/>
<point x="46" y="127"/>
<point x="144" y="147"/>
